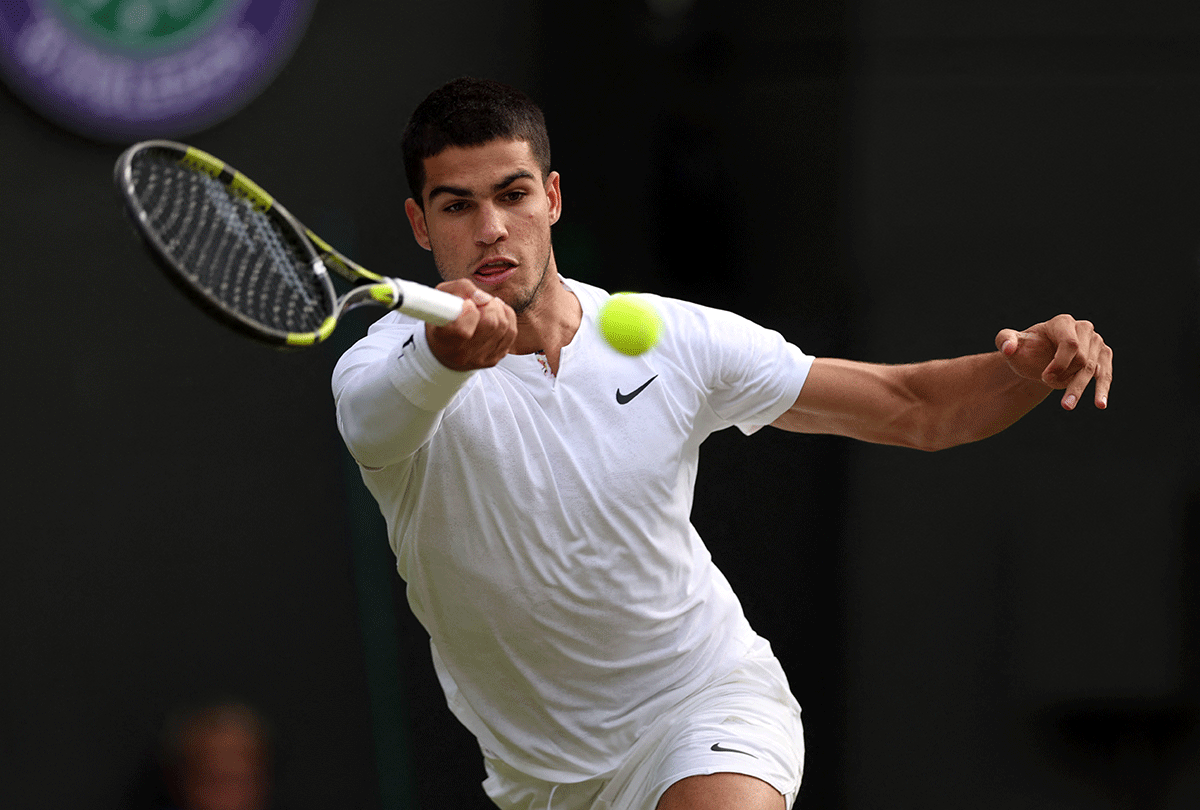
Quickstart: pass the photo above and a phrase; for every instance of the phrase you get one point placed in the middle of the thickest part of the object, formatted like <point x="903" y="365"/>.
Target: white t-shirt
<point x="541" y="523"/>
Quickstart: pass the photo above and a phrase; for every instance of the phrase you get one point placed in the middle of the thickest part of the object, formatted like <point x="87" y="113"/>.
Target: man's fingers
<point x="1069" y="337"/>
<point x="465" y="288"/>
<point x="1063" y="353"/>
<point x="461" y="327"/>
<point x="480" y="336"/>
<point x="1060" y="370"/>
<point x="1007" y="341"/>
<point x="1104" y="376"/>
<point x="1075" y="390"/>
<point x="1086" y="359"/>
<point x="498" y="325"/>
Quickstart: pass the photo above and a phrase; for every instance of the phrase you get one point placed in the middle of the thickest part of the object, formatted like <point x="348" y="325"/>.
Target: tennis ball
<point x="630" y="324"/>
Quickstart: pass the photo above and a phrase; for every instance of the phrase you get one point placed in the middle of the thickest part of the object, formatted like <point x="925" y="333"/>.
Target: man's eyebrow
<point x="453" y="191"/>
<point x="512" y="178"/>
<point x="456" y="191"/>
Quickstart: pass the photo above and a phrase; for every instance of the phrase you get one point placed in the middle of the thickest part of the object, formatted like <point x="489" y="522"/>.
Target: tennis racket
<point x="244" y="258"/>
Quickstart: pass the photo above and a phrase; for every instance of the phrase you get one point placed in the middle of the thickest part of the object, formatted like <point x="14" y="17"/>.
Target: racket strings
<point x="242" y="258"/>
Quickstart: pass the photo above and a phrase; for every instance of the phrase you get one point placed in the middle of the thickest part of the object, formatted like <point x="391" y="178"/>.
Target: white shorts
<point x="747" y="723"/>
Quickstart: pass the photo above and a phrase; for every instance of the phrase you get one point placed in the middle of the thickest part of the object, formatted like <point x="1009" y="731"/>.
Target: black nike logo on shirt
<point x="624" y="398"/>
<point x="721" y="748"/>
<point x="410" y="342"/>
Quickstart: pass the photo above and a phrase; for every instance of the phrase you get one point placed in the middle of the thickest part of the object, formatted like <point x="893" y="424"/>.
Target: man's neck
<point x="549" y="323"/>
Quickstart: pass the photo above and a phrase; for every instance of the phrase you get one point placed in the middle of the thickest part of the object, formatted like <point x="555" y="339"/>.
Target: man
<point x="577" y="623"/>
<point x="218" y="757"/>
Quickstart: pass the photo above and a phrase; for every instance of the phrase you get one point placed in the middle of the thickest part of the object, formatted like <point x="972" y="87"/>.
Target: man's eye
<point x="454" y="207"/>
<point x="514" y="196"/>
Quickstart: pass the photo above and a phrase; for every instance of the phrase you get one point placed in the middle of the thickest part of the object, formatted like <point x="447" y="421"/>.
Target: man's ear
<point x="416" y="218"/>
<point x="554" y="195"/>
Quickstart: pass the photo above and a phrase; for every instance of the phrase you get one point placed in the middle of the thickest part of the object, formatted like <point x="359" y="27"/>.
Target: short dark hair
<point x="471" y="112"/>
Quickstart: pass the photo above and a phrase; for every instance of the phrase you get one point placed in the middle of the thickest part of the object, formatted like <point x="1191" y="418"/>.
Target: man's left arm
<point x="943" y="403"/>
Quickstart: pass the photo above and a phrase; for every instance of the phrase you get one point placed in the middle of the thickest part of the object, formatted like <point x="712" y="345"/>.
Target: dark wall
<point x="178" y="513"/>
<point x="974" y="628"/>
<point x="1018" y="610"/>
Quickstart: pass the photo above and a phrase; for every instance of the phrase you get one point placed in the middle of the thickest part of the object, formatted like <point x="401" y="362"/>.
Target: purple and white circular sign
<point x="125" y="70"/>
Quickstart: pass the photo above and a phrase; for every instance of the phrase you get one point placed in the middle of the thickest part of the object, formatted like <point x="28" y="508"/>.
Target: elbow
<point x="923" y="442"/>
<point x="360" y="427"/>
<point x="935" y="444"/>
<point x="372" y="439"/>
<point x="379" y="427"/>
<point x="357" y="438"/>
<point x="945" y="431"/>
<point x="932" y="434"/>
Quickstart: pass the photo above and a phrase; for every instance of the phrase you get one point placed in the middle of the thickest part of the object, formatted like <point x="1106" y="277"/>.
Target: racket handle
<point x="430" y="305"/>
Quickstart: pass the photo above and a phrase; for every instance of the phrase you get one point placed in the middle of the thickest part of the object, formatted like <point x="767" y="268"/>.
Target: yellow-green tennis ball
<point x="630" y="324"/>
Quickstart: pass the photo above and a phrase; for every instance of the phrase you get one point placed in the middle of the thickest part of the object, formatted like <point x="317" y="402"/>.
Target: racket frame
<point x="418" y="300"/>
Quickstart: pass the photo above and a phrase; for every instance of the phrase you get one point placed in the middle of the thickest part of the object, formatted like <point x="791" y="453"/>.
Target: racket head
<point x="227" y="244"/>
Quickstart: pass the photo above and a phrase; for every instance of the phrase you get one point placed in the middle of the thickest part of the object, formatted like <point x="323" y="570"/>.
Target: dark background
<point x="1010" y="624"/>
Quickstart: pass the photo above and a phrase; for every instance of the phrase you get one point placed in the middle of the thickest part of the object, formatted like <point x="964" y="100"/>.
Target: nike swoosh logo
<point x="624" y="398"/>
<point x="723" y="749"/>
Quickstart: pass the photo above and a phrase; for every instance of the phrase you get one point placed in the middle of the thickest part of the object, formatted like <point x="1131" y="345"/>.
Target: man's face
<point x="487" y="217"/>
<point x="225" y="769"/>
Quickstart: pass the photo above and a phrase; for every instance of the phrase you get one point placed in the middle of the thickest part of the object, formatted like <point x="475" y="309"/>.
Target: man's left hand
<point x="1063" y="353"/>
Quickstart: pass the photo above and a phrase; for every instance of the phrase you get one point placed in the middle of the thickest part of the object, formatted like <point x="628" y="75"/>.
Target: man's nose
<point x="491" y="226"/>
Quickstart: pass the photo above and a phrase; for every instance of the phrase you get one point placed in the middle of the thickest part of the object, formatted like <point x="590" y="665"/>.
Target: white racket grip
<point x="430" y="305"/>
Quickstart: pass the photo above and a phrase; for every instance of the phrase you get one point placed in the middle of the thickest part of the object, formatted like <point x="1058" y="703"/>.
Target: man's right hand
<point x="480" y="336"/>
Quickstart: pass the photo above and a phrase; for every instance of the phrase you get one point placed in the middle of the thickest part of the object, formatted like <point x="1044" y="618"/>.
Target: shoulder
<point x="692" y="327"/>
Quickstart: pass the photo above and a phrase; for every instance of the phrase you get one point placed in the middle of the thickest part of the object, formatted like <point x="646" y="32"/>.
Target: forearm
<point x="966" y="399"/>
<point x="390" y="398"/>
<point x="925" y="406"/>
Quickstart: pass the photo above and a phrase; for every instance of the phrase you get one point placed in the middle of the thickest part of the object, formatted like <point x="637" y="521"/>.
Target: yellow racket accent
<point x="384" y="294"/>
<point x="310" y="338"/>
<point x="252" y="192"/>
<point x="239" y="184"/>
<point x="202" y="161"/>
<point x="344" y="266"/>
<point x="318" y="241"/>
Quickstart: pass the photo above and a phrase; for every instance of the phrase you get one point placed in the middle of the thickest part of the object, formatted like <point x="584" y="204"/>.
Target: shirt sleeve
<point x="796" y="365"/>
<point x="390" y="392"/>
<point x="753" y="374"/>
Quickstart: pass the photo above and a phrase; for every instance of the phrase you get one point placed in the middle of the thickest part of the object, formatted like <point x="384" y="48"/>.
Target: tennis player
<point x="537" y="485"/>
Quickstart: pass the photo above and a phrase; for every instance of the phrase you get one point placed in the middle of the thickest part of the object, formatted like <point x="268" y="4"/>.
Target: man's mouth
<point x="494" y="271"/>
